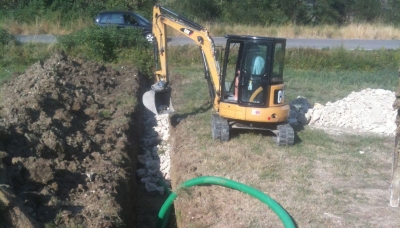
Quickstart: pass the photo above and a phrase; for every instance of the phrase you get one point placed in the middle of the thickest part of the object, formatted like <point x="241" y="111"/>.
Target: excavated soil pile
<point x="67" y="127"/>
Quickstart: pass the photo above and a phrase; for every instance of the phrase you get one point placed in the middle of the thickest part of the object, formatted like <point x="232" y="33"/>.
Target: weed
<point x="105" y="113"/>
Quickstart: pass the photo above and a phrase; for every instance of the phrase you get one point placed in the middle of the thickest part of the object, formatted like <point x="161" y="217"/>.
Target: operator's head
<point x="253" y="48"/>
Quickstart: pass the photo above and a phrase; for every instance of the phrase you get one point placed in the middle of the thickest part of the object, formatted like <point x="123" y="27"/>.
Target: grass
<point x="322" y="181"/>
<point x="43" y="26"/>
<point x="351" y="31"/>
<point x="333" y="73"/>
<point x="108" y="45"/>
<point x="323" y="86"/>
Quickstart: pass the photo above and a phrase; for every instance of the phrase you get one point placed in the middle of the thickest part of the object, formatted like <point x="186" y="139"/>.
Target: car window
<point x="142" y="21"/>
<point x="139" y="21"/>
<point x="103" y="18"/>
<point x="130" y="20"/>
<point x="113" y="19"/>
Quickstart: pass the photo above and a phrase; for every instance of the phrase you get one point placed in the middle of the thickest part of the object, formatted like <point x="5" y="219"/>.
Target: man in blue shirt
<point x="258" y="65"/>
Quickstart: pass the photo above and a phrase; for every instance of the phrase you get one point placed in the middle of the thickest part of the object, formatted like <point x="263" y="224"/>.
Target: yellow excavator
<point x="247" y="91"/>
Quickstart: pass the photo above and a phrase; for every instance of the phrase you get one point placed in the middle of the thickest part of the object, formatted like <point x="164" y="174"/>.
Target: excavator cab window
<point x="251" y="66"/>
<point x="230" y="84"/>
<point x="254" y="76"/>
<point x="279" y="57"/>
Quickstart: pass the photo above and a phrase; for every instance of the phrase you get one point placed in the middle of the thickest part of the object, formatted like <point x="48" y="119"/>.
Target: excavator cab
<point x="251" y="65"/>
<point x="252" y="88"/>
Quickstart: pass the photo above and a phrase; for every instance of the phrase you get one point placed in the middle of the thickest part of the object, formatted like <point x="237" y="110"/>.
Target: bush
<point x="6" y="38"/>
<point x="110" y="45"/>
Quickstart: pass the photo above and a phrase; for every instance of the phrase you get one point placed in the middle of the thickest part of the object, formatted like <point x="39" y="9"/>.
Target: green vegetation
<point x="109" y="44"/>
<point x="355" y="19"/>
<point x="65" y="11"/>
<point x="335" y="85"/>
<point x="342" y="59"/>
<point x="263" y="12"/>
<point x="15" y="57"/>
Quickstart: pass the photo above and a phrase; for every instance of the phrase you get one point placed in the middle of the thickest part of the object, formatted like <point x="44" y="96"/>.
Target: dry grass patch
<point x="43" y="26"/>
<point x="351" y="31"/>
<point x="320" y="186"/>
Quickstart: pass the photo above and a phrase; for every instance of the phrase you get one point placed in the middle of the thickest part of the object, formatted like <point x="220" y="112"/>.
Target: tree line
<point x="260" y="12"/>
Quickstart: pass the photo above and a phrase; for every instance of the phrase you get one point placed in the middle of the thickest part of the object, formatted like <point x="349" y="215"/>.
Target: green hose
<point x="206" y="180"/>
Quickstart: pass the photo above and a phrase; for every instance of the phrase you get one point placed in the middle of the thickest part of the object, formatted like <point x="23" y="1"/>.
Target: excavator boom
<point x="158" y="99"/>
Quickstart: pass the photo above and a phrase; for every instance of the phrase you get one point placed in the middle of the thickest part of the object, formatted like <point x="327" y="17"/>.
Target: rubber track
<point x="220" y="128"/>
<point x="285" y="135"/>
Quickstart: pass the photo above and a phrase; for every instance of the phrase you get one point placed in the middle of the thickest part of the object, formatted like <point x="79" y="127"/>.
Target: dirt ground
<point x="69" y="136"/>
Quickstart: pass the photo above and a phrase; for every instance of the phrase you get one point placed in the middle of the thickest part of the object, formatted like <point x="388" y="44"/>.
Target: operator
<point x="235" y="95"/>
<point x="258" y="65"/>
<point x="258" y="62"/>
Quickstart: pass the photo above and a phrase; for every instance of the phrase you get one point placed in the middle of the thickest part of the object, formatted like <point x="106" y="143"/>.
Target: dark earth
<point x="70" y="132"/>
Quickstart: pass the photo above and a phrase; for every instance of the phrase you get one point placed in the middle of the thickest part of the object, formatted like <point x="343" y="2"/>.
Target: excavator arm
<point x="163" y="17"/>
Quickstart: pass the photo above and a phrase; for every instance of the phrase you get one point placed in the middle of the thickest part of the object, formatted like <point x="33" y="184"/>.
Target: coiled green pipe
<point x="206" y="180"/>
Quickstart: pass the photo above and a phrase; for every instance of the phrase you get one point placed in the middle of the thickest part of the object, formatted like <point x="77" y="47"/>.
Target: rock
<point x="155" y="167"/>
<point x="6" y="197"/>
<point x="298" y="109"/>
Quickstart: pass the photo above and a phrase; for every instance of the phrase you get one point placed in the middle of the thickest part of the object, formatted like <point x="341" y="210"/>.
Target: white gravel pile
<point x="155" y="152"/>
<point x="369" y="110"/>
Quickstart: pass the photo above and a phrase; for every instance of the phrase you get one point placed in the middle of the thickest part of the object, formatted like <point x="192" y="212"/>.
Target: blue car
<point x="126" y="19"/>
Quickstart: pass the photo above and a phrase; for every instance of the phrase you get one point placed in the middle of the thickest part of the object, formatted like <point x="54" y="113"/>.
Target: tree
<point x="365" y="10"/>
<point x="206" y="10"/>
<point x="391" y="12"/>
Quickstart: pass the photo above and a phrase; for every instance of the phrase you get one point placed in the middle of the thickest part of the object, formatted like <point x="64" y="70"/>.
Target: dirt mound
<point x="67" y="125"/>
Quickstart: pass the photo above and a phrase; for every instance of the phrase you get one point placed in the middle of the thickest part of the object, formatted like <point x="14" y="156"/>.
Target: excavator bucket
<point x="158" y="102"/>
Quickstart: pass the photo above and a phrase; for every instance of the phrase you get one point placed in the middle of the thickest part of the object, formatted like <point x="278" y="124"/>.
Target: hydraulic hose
<point x="164" y="221"/>
<point x="207" y="180"/>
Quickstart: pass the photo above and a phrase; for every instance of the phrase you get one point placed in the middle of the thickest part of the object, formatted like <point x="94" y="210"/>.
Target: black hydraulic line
<point x="207" y="76"/>
<point x="184" y="19"/>
<point x="156" y="60"/>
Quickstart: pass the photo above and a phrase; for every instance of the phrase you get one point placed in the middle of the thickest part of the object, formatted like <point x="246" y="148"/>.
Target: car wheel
<point x="149" y="37"/>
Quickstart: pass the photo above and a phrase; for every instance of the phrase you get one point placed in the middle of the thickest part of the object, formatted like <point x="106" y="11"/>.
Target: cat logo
<point x="186" y="31"/>
<point x="279" y="96"/>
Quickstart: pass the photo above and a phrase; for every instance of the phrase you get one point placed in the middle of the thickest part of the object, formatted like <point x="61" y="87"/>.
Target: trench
<point x="152" y="170"/>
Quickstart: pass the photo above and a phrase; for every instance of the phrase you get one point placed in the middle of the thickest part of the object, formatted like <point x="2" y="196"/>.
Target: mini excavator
<point x="247" y="92"/>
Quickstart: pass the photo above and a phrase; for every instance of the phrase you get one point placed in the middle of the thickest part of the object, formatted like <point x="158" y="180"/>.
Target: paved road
<point x="37" y="39"/>
<point x="312" y="43"/>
